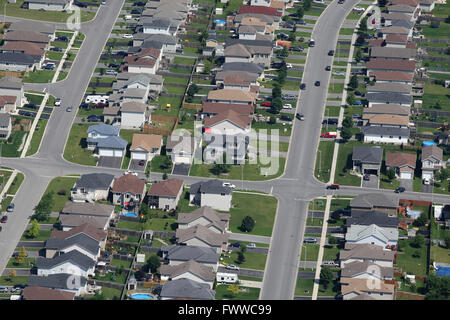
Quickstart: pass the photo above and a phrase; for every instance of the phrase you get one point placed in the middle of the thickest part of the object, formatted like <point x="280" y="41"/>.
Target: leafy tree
<point x="353" y="84"/>
<point x="363" y="25"/>
<point x="223" y="167"/>
<point x="390" y="173"/>
<point x="153" y="263"/>
<point x="421" y="220"/>
<point x="234" y="288"/>
<point x="276" y="91"/>
<point x="326" y="276"/>
<point x="193" y="89"/>
<point x="33" y="231"/>
<point x="11" y="275"/>
<point x="332" y="240"/>
<point x="347" y="122"/>
<point x="351" y="99"/>
<point x="43" y="208"/>
<point x="437" y="288"/>
<point x="447" y="242"/>
<point x="442" y="175"/>
<point x="272" y="120"/>
<point x="358" y="55"/>
<point x="247" y="224"/>
<point x="164" y="177"/>
<point x="300" y="12"/>
<point x="277" y="104"/>
<point x="360" y="39"/>
<point x="240" y="257"/>
<point x="346" y="133"/>
<point x="418" y="241"/>
<point x="20" y="258"/>
<point x="382" y="3"/>
<point x="307" y="5"/>
<point x="166" y="162"/>
<point x="285" y="52"/>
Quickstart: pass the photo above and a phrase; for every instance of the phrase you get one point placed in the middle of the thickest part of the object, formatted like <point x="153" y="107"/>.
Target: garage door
<point x="405" y="175"/>
<point x="186" y="160"/>
<point x="428" y="175"/>
<point x="118" y="153"/>
<point x="138" y="156"/>
<point x="106" y="152"/>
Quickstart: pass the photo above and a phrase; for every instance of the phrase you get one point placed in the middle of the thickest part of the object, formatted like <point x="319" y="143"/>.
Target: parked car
<point x="310" y="240"/>
<point x="139" y="4"/>
<point x="141" y="163"/>
<point x="113" y="65"/>
<point x="251" y="245"/>
<point x="317" y="83"/>
<point x="298" y="49"/>
<point x="236" y="244"/>
<point x="341" y="1"/>
<point x="288" y="65"/>
<point x="69" y="109"/>
<point x="358" y="93"/>
<point x="357" y="103"/>
<point x="1" y="228"/>
<point x="332" y="134"/>
<point x="10" y="207"/>
<point x="266" y="104"/>
<point x="328" y="68"/>
<point x="127" y="36"/>
<point x="301" y="22"/>
<point x="300" y="116"/>
<point x="331" y="52"/>
<point x="330" y="264"/>
<point x="49" y="66"/>
<point x="20" y="286"/>
<point x="283" y="35"/>
<point x="63" y="38"/>
<point x="30" y="106"/>
<point x="111" y="72"/>
<point x="232" y="267"/>
<point x="333" y="186"/>
<point x="303" y="86"/>
<point x="285" y="118"/>
<point x="94" y="118"/>
<point x="4" y="219"/>
<point x="228" y="184"/>
<point x="399" y="190"/>
<point x="56" y="49"/>
<point x="287" y="106"/>
<point x="57" y="102"/>
<point x="4" y="289"/>
<point x="357" y="116"/>
<point x="136" y="11"/>
<point x="366" y="177"/>
<point x="84" y="105"/>
<point x="330" y="121"/>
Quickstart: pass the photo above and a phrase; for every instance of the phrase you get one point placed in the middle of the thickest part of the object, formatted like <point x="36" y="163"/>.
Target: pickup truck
<point x="329" y="135"/>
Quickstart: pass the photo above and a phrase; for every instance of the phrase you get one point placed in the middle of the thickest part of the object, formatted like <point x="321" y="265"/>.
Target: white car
<point x="278" y="48"/>
<point x="288" y="65"/>
<point x="227" y="184"/>
<point x="232" y="267"/>
<point x="336" y="73"/>
<point x="127" y="36"/>
<point x="57" y="102"/>
<point x="251" y="245"/>
<point x="287" y="106"/>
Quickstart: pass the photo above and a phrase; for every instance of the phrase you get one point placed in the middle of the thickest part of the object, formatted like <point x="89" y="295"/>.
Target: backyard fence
<point x="410" y="296"/>
<point x="123" y="257"/>
<point x="180" y="66"/>
<point x="167" y="73"/>
<point x="434" y="58"/>
<point x="164" y="234"/>
<point x="432" y="112"/>
<point x="127" y="232"/>
<point x="192" y="106"/>
<point x="106" y="284"/>
<point x="422" y="136"/>
<point x="164" y="118"/>
<point x="150" y="249"/>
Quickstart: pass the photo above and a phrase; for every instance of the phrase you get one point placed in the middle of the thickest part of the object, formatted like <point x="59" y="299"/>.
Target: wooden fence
<point x="164" y="118"/>
<point x="410" y="296"/>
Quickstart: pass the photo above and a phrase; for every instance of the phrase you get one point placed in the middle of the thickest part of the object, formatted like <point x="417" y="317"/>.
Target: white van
<point x="96" y="99"/>
<point x="222" y="277"/>
<point x="128" y="17"/>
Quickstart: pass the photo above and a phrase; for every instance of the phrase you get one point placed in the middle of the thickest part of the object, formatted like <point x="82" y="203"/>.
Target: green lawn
<point x="57" y="56"/>
<point x="75" y="150"/>
<point x="410" y="264"/>
<point x="185" y="61"/>
<point x="339" y="204"/>
<point x="317" y="205"/>
<point x="332" y="111"/>
<point x="34" y="98"/>
<point x="175" y="90"/>
<point x="261" y="208"/>
<point x="157" y="224"/>
<point x="310" y="252"/>
<point x="434" y="93"/>
<point x="58" y="185"/>
<point x="324" y="160"/>
<point x="43" y="235"/>
<point x="178" y="80"/>
<point x="283" y="130"/>
<point x="222" y="293"/>
<point x="344" y="161"/>
<point x="346" y="31"/>
<point x="156" y="165"/>
<point x="15" y="185"/>
<point x="5" y="281"/>
<point x="11" y="149"/>
<point x="304" y="287"/>
<point x="438" y="231"/>
<point x="256" y="261"/>
<point x="6" y="202"/>
<point x="37" y="137"/>
<point x="119" y="263"/>
<point x="439" y="254"/>
<point x="330" y="252"/>
<point x="314" y="222"/>
<point x="175" y="104"/>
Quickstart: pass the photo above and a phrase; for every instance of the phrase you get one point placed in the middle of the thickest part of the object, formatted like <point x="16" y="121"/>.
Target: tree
<point x="234" y="288"/>
<point x="363" y="25"/>
<point x="277" y="104"/>
<point x="447" y="20"/>
<point x="418" y="241"/>
<point x="347" y="122"/>
<point x="276" y="91"/>
<point x="300" y="12"/>
<point x="346" y="133"/>
<point x="285" y="51"/>
<point x="437" y="288"/>
<point x="443" y="175"/>
<point x="11" y="275"/>
<point x="153" y="263"/>
<point x="166" y="162"/>
<point x="332" y="240"/>
<point x="43" y="208"/>
<point x="164" y="177"/>
<point x="351" y="99"/>
<point x="306" y="5"/>
<point x="33" y="231"/>
<point x="353" y="84"/>
<point x="247" y="224"/>
<point x="326" y="276"/>
<point x="390" y="173"/>
<point x="20" y="258"/>
<point x="240" y="257"/>
<point x="382" y="3"/>
<point x="272" y="120"/>
<point x="421" y="220"/>
<point x="358" y="55"/>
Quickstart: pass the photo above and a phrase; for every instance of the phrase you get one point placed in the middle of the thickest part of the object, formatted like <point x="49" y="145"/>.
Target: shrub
<point x="62" y="192"/>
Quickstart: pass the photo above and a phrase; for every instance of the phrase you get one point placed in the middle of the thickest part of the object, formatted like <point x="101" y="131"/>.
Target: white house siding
<point x="247" y="36"/>
<point x="236" y="59"/>
<point x="197" y="242"/>
<point x="202" y="221"/>
<point x="191" y="276"/>
<point x="139" y="155"/>
<point x="171" y="202"/>
<point x="156" y="88"/>
<point x="227" y="127"/>
<point x="132" y="119"/>
<point x="14" y="67"/>
<point x="106" y="152"/>
<point x="138" y="69"/>
<point x="216" y="201"/>
<point x="374" y="295"/>
<point x="385" y="139"/>
<point x="155" y="30"/>
<point x="66" y="268"/>
<point x="374" y="240"/>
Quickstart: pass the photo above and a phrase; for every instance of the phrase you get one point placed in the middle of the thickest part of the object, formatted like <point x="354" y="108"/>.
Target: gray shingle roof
<point x="373" y="217"/>
<point x="368" y="154"/>
<point x="186" y="253"/>
<point x="157" y="22"/>
<point x="371" y="200"/>
<point x="56" y="281"/>
<point x="366" y="251"/>
<point x="386" y="131"/>
<point x="17" y="58"/>
<point x="203" y="272"/>
<point x="74" y="256"/>
<point x="80" y="240"/>
<point x="95" y="181"/>
<point x="243" y="66"/>
<point x="361" y="232"/>
<point x="389" y="97"/>
<point x="11" y="82"/>
<point x="210" y="187"/>
<point x="90" y="209"/>
<point x="112" y="142"/>
<point x="5" y="119"/>
<point x="355" y="268"/>
<point x="186" y="288"/>
<point x="104" y="129"/>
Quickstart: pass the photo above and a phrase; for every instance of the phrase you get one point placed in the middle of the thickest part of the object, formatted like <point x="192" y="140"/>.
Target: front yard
<point x="75" y="150"/>
<point x="222" y="293"/>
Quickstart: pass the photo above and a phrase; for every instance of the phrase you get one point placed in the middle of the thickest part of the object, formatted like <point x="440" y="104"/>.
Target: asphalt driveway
<point x="181" y="169"/>
<point x="134" y="166"/>
<point x="110" y="162"/>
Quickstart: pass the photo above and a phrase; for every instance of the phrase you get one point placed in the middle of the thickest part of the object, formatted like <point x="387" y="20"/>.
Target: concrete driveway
<point x="427" y="188"/>
<point x="372" y="182"/>
<point x="407" y="184"/>
<point x="110" y="162"/>
<point x="134" y="166"/>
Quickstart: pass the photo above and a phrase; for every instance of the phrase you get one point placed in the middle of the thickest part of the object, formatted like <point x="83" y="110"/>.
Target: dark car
<point x="358" y="93"/>
<point x="94" y="118"/>
<point x="341" y="1"/>
<point x="333" y="186"/>
<point x="317" y="83"/>
<point x="122" y="53"/>
<point x="84" y="105"/>
<point x="30" y="106"/>
<point x="298" y="48"/>
<point x="80" y="4"/>
<point x="328" y="68"/>
<point x="4" y="219"/>
<point x="300" y="116"/>
<point x="331" y="52"/>
<point x="63" y="38"/>
<point x="283" y="35"/>
<point x="330" y="121"/>
<point x="10" y="207"/>
<point x="273" y="111"/>
<point x="19" y="286"/>
<point x="303" y="86"/>
<point x="113" y="65"/>
<point x="56" y="49"/>
<point x="366" y="177"/>
<point x="301" y="22"/>
<point x="286" y="118"/>
<point x="400" y="190"/>
<point x="141" y="162"/>
<point x="136" y="11"/>
<point x="310" y="240"/>
<point x="139" y="4"/>
<point x="236" y="244"/>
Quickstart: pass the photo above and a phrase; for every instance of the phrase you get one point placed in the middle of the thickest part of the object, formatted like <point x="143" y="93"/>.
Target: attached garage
<point x="427" y="175"/>
<point x="139" y="155"/>
<point x="406" y="175"/>
<point x="118" y="153"/>
<point x="106" y="152"/>
<point x="179" y="159"/>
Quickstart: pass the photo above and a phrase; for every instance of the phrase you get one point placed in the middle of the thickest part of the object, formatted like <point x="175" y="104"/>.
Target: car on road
<point x="94" y="118"/>
<point x="300" y="116"/>
<point x="399" y="190"/>
<point x="317" y="83"/>
<point x="303" y="86"/>
<point x="10" y="207"/>
<point x="69" y="109"/>
<point x="1" y="228"/>
<point x="228" y="184"/>
<point x="285" y="118"/>
<point x="328" y="68"/>
<point x="287" y="106"/>
<point x="310" y="240"/>
<point x="341" y="1"/>
<point x="333" y="186"/>
<point x="251" y="245"/>
<point x="331" y="52"/>
<point x="57" y="102"/>
<point x="103" y="2"/>
<point x="236" y="244"/>
<point x="4" y="219"/>
<point x="141" y="162"/>
<point x="127" y="36"/>
<point x="232" y="267"/>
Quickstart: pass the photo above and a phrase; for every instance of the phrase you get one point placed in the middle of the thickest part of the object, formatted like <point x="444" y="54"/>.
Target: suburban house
<point x="92" y="187"/>
<point x="74" y="214"/>
<point x="17" y="62"/>
<point x="364" y="218"/>
<point x="188" y="270"/>
<point x="5" y="125"/>
<point x="72" y="262"/>
<point x="259" y="9"/>
<point x="159" y="25"/>
<point x="366" y="270"/>
<point x="169" y="44"/>
<point x="105" y="141"/>
<point x="128" y="189"/>
<point x="395" y="109"/>
<point x="151" y="83"/>
<point x="50" y="5"/>
<point x="111" y="114"/>
<point x="8" y="104"/>
<point x="386" y="87"/>
<point x="386" y="128"/>
<point x="432" y="157"/>
<point x="61" y="281"/>
<point x="375" y="201"/>
<point x="234" y="145"/>
<point x="427" y="5"/>
<point x="185" y="288"/>
<point x="212" y="109"/>
<point x="202" y="236"/>
<point x="232" y="96"/>
<point x="165" y="194"/>
<point x="244" y="66"/>
<point x="81" y="242"/>
<point x="391" y="76"/>
<point x="133" y="114"/>
<point x="396" y="30"/>
<point x="390" y="65"/>
<point x="388" y="97"/>
<point x="366" y="252"/>
<point x="181" y="149"/>
<point x="228" y="123"/>
<point x="72" y="221"/>
<point x="41" y="293"/>
<point x="175" y="255"/>
<point x="86" y="229"/>
<point x="34" y="50"/>
<point x="12" y="86"/>
<point x="247" y="32"/>
<point x="372" y="234"/>
<point x="145" y="61"/>
<point x="205" y="216"/>
<point x="393" y="53"/>
<point x="145" y="146"/>
<point x="255" y="51"/>
<point x="236" y="80"/>
<point x="359" y="288"/>
<point x="367" y="159"/>
<point x="403" y="164"/>
<point x="42" y="40"/>
<point x="211" y="193"/>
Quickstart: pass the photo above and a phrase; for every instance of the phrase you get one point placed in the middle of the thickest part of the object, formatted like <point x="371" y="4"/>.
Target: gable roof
<point x="392" y="52"/>
<point x="387" y="119"/>
<point x="81" y="240"/>
<point x="389" y="75"/>
<point x="157" y="22"/>
<point x="390" y="87"/>
<point x="360" y="286"/>
<point x="400" y="159"/>
<point x="260" y="10"/>
<point x="30" y="36"/>
<point x="89" y="209"/>
<point x="73" y="257"/>
<point x="128" y="183"/>
<point x="186" y="253"/>
<point x="243" y="66"/>
<point x="30" y="25"/>
<point x="242" y="121"/>
<point x="432" y="151"/>
<point x="57" y="281"/>
<point x="4" y="100"/>
<point x="75" y="220"/>
<point x="30" y="48"/>
<point x="112" y="142"/>
<point x="10" y="82"/>
<point x="84" y="228"/>
<point x="17" y="58"/>
<point x="186" y="288"/>
<point x="212" y="238"/>
<point x="95" y="181"/>
<point x="368" y="154"/>
<point x="355" y="268"/>
<point x="133" y="106"/>
<point x="396" y="37"/>
<point x="210" y="187"/>
<point x="389" y="97"/>
<point x="5" y="119"/>
<point x="385" y="131"/>
<point x="41" y="293"/>
<point x="146" y="141"/>
<point x="365" y="251"/>
<point x="166" y="188"/>
<point x="371" y="200"/>
<point x="217" y="107"/>
<point x="360" y="232"/>
<point x="391" y="64"/>
<point x="219" y="220"/>
<point x="372" y="217"/>
<point x="204" y="272"/>
<point x="180" y="143"/>
<point x="412" y="3"/>
<point x="104" y="129"/>
<point x="232" y="95"/>
<point x="388" y="109"/>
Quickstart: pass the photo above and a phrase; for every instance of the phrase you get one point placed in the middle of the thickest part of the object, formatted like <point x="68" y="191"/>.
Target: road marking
<point x="271" y="189"/>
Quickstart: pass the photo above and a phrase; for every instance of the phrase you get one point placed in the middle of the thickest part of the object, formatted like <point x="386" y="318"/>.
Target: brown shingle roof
<point x="360" y="286"/>
<point x="217" y="219"/>
<point x="387" y="119"/>
<point x="388" y="109"/>
<point x="85" y="228"/>
<point x="243" y="121"/>
<point x="411" y="3"/>
<point x="390" y="87"/>
<point x="203" y="233"/>
<point x="7" y="100"/>
<point x="355" y="268"/>
<point x="259" y="10"/>
<point x="146" y="141"/>
<point x="232" y="95"/>
<point x="166" y="188"/>
<point x="41" y="293"/>
<point x="400" y="159"/>
<point x="133" y="106"/>
<point x="214" y="107"/>
<point x="204" y="272"/>
<point x="392" y="75"/>
<point x="365" y="251"/>
<point x="30" y="36"/>
<point x="391" y="64"/>
<point x="395" y="16"/>
<point x="31" y="48"/>
<point x="128" y="183"/>
<point x="432" y="151"/>
<point x="396" y="37"/>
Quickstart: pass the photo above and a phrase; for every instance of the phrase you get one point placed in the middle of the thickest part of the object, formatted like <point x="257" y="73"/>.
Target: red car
<point x="266" y="104"/>
<point x="373" y="21"/>
<point x="4" y="219"/>
<point x="329" y="135"/>
<point x="101" y="105"/>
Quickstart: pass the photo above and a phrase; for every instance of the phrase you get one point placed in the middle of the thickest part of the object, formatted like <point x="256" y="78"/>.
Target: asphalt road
<point x="294" y="189"/>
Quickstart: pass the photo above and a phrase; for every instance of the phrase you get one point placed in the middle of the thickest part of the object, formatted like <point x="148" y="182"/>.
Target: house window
<point x="222" y="194"/>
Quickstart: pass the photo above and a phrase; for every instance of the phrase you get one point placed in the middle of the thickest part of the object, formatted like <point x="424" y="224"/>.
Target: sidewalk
<point x="8" y="183"/>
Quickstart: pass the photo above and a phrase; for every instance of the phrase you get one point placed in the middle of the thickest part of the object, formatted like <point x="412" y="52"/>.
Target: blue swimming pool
<point x="141" y="296"/>
<point x="442" y="271"/>
<point x="220" y="21"/>
<point x="129" y="214"/>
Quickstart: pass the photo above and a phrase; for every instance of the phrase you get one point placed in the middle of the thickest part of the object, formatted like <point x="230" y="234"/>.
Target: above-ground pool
<point x="442" y="271"/>
<point x="220" y="21"/>
<point x="129" y="214"/>
<point x="141" y="296"/>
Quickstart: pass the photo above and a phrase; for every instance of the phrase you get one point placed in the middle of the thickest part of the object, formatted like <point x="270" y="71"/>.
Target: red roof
<point x="392" y="75"/>
<point x="396" y="37"/>
<point x="166" y="188"/>
<point x="7" y="99"/>
<point x="128" y="183"/>
<point x="40" y="293"/>
<point x="259" y="10"/>
<point x="391" y="64"/>
<point x="85" y="228"/>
